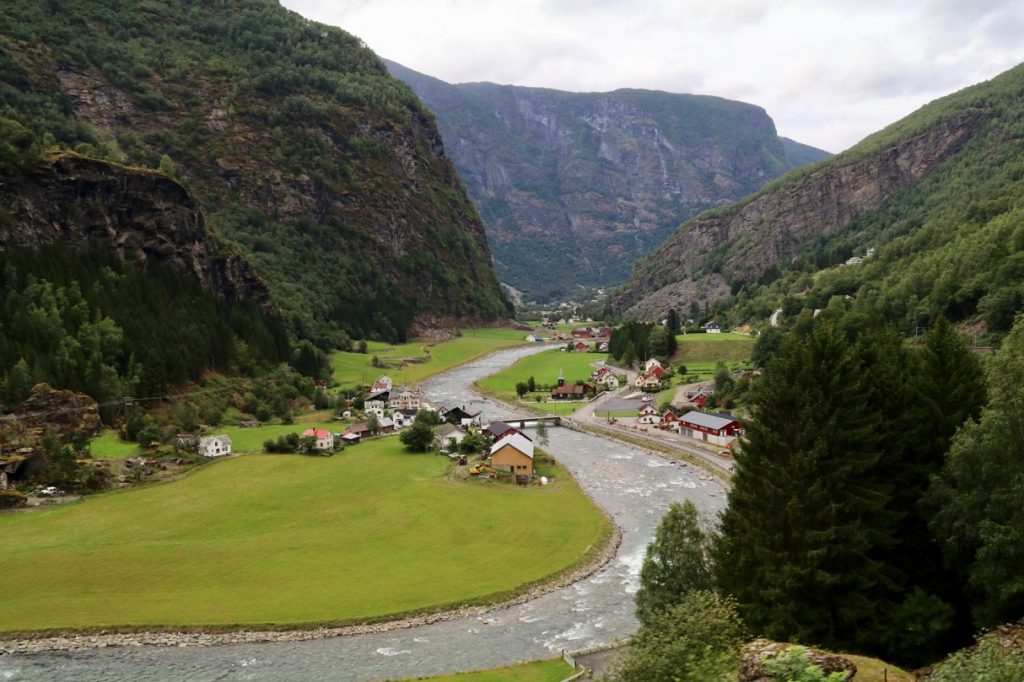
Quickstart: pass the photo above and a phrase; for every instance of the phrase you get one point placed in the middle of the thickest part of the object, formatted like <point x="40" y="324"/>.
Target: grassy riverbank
<point x="536" y="671"/>
<point x="290" y="540"/>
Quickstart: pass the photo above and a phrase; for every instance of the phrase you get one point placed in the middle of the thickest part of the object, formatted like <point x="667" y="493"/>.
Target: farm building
<point x="719" y="429"/>
<point x="514" y="454"/>
<point x="498" y="430"/>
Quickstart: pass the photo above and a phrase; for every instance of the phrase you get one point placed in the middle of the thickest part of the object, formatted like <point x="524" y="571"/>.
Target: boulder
<point x="64" y="411"/>
<point x="752" y="669"/>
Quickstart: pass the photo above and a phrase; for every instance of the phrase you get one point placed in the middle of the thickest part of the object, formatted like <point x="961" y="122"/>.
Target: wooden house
<point x="513" y="453"/>
<point x="324" y="438"/>
<point x="719" y="429"/>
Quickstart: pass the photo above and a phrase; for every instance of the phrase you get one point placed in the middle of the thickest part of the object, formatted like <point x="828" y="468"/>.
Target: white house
<point x="376" y="403"/>
<point x="381" y="383"/>
<point x="215" y="446"/>
<point x="403" y="418"/>
<point x="324" y="438"/>
<point x="648" y="415"/>
<point x="450" y="436"/>
<point x="713" y="328"/>
<point x="651" y="364"/>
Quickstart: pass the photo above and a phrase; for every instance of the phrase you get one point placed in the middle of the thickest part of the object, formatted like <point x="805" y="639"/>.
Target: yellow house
<point x="513" y="453"/>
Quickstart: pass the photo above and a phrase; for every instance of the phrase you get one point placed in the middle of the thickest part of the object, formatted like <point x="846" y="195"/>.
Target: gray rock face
<point x="139" y="214"/>
<point x="573" y="187"/>
<point x="772" y="228"/>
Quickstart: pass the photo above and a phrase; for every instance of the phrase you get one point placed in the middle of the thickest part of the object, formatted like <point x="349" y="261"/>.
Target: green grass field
<point x="537" y="671"/>
<point x="712" y="348"/>
<point x="108" y="445"/>
<point x="544" y="368"/>
<point x="350" y="369"/>
<point x="288" y="539"/>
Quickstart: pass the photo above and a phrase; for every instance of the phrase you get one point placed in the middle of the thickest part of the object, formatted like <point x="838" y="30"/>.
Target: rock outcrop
<point x="65" y="412"/>
<point x="755" y="653"/>
<point x="573" y="187"/>
<point x="698" y="262"/>
<point x="137" y="213"/>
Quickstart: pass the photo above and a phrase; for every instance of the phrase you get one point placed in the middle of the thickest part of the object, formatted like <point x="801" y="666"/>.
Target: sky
<point x="829" y="72"/>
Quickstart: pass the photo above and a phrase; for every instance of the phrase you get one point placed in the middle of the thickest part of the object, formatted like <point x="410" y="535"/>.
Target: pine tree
<point x="672" y="322"/>
<point x="806" y="519"/>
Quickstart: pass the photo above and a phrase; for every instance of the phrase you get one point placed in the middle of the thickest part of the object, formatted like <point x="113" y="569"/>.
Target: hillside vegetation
<point x="304" y="155"/>
<point x="937" y="195"/>
<point x="574" y="187"/>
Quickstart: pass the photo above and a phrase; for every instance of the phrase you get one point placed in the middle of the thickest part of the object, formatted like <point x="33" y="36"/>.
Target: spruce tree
<point x="807" y="519"/>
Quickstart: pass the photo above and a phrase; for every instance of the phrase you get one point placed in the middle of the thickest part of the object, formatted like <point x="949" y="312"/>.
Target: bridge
<point x="522" y="422"/>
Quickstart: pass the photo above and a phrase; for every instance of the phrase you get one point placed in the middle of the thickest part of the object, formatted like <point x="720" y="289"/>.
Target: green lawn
<point x="421" y="360"/>
<point x="538" y="671"/>
<point x="251" y="440"/>
<point x="108" y="445"/>
<point x="712" y="348"/>
<point x="288" y="539"/>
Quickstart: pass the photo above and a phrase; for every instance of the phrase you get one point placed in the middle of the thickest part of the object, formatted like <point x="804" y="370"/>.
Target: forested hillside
<point x="574" y="187"/>
<point x="304" y="156"/>
<point x="935" y="199"/>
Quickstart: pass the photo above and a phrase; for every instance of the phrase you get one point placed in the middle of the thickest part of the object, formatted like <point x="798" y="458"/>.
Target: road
<point x="633" y="485"/>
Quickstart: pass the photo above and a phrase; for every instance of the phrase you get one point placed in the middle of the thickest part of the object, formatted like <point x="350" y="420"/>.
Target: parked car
<point x="49" y="490"/>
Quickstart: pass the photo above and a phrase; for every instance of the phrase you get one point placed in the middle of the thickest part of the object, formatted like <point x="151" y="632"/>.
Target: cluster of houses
<point x="650" y="378"/>
<point x="717" y="429"/>
<point x="510" y="449"/>
<point x="603" y="376"/>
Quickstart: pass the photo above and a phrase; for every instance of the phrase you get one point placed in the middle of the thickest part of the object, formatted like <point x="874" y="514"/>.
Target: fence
<point x="569" y="659"/>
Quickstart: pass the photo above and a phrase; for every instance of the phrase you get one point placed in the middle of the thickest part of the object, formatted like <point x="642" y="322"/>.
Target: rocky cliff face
<point x="138" y="214"/>
<point x="706" y="255"/>
<point x="573" y="187"/>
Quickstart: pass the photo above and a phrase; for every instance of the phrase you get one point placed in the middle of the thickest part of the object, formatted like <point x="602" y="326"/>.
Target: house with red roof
<point x="324" y="438"/>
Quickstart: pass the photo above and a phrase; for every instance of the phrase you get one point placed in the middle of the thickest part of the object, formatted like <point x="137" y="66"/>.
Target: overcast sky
<point x="829" y="72"/>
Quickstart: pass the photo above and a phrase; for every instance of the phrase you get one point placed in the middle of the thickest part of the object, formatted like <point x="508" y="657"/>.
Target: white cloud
<point x="829" y="72"/>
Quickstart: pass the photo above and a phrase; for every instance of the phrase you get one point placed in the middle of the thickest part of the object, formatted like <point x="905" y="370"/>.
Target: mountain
<point x="574" y="187"/>
<point x="930" y="206"/>
<point x="302" y="157"/>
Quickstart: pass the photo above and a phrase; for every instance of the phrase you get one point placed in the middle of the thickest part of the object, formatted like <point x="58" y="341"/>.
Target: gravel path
<point x="634" y="486"/>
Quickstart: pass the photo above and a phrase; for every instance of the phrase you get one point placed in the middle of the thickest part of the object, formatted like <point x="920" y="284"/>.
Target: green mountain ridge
<point x="304" y="156"/>
<point x="573" y="187"/>
<point x="935" y="197"/>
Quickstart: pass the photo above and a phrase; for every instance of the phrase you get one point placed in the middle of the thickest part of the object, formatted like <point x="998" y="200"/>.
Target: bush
<point x="12" y="499"/>
<point x="794" y="665"/>
<point x="990" y="660"/>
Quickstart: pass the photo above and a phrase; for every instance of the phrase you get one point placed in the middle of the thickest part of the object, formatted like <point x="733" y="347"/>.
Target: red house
<point x="581" y="347"/>
<point x="668" y="421"/>
<point x="719" y="429"/>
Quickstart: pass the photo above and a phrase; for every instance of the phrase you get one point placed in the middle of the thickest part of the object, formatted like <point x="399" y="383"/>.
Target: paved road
<point x="633" y="485"/>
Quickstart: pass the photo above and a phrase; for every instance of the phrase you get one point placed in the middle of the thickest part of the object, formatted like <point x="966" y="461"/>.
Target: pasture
<point x="712" y="348"/>
<point x="287" y="540"/>
<point x="544" y="368"/>
<point x="537" y="671"/>
<point x="413" y="362"/>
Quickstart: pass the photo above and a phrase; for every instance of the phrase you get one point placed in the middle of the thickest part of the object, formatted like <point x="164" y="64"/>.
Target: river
<point x="634" y="486"/>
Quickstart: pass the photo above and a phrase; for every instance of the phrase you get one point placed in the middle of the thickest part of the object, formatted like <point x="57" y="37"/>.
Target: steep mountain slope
<point x="302" y="153"/>
<point x="936" y="196"/>
<point x="573" y="187"/>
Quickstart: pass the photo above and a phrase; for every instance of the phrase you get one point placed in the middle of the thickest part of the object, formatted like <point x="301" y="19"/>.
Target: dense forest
<point x="84" y="320"/>
<point x="303" y="153"/>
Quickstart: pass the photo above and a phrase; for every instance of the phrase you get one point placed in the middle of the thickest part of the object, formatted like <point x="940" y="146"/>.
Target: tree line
<point x="875" y="505"/>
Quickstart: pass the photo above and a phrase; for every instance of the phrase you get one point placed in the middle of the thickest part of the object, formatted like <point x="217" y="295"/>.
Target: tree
<point x="531" y="384"/>
<point x="672" y="322"/>
<point x="542" y="433"/>
<point x="766" y="346"/>
<point x="361" y="346"/>
<point x="979" y="493"/>
<point x="723" y="380"/>
<point x="473" y="443"/>
<point x="697" y="640"/>
<point x="521" y="388"/>
<point x="629" y="355"/>
<point x="18" y="147"/>
<point x="810" y="570"/>
<point x="418" y="437"/>
<point x="657" y="342"/>
<point x="678" y="561"/>
<point x="794" y="665"/>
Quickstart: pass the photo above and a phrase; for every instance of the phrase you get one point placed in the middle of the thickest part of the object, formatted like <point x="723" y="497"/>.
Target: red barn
<point x="719" y="429"/>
